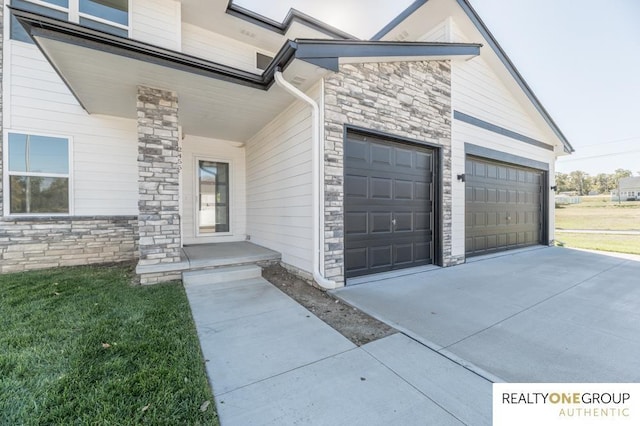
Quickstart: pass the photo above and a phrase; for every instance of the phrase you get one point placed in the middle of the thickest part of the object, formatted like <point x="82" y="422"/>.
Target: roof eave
<point x="495" y="46"/>
<point x="51" y="28"/>
<point x="327" y="53"/>
<point x="293" y="16"/>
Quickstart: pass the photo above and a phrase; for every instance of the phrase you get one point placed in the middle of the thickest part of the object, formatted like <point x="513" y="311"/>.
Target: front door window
<point x="213" y="197"/>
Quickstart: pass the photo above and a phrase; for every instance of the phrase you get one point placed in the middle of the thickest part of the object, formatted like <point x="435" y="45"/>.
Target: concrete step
<point x="221" y="275"/>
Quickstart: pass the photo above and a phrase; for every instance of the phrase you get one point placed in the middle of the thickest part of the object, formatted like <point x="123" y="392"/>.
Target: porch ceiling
<point x="217" y="101"/>
<point x="106" y="83"/>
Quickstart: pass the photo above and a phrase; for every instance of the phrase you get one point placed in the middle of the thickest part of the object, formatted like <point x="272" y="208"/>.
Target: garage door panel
<point x="403" y="254"/>
<point x="404" y="222"/>
<point x="381" y="188"/>
<point x="424" y="161"/>
<point x="356" y="223"/>
<point x="423" y="191"/>
<point x="381" y="155"/>
<point x="505" y="204"/>
<point x="356" y="186"/>
<point x="404" y="158"/>
<point x="380" y="256"/>
<point x="357" y="152"/>
<point x="423" y="221"/>
<point x="403" y="189"/>
<point x="392" y="183"/>
<point x="356" y="259"/>
<point x="380" y="222"/>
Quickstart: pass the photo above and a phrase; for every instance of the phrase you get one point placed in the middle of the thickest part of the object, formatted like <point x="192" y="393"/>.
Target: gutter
<point x="316" y="140"/>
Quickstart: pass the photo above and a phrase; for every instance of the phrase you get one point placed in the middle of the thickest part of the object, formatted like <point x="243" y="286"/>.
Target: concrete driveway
<point x="539" y="315"/>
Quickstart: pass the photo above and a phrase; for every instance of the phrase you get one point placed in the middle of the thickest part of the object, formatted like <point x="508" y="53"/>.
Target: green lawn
<point x="604" y="242"/>
<point x="83" y="346"/>
<point x="598" y="212"/>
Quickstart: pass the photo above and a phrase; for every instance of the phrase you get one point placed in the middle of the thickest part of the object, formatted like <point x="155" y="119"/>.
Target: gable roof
<point x="497" y="49"/>
<point x="294" y="15"/>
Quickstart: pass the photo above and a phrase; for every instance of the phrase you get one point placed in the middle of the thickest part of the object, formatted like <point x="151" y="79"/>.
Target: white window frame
<point x="6" y="195"/>
<point x="74" y="14"/>
<point x="196" y="191"/>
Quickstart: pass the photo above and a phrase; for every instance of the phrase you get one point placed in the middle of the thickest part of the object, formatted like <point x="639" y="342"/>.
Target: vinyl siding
<point x="156" y="22"/>
<point x="104" y="169"/>
<point x="194" y="147"/>
<point x="477" y="91"/>
<point x="218" y="48"/>
<point x="279" y="186"/>
<point x="440" y="33"/>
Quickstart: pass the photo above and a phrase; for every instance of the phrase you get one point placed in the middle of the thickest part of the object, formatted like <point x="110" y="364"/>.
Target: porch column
<point x="158" y="183"/>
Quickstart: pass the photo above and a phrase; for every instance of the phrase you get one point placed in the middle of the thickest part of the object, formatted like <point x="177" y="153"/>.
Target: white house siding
<point x="194" y="148"/>
<point x="156" y="22"/>
<point x="440" y="33"/>
<point x="104" y="151"/>
<point x="279" y="185"/>
<point x="218" y="48"/>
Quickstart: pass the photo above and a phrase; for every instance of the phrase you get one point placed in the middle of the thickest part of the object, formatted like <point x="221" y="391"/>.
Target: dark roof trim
<point x="323" y="53"/>
<point x="492" y="154"/>
<point x="293" y="15"/>
<point x="326" y="53"/>
<point x="482" y="28"/>
<point x="55" y="29"/>
<point x="500" y="130"/>
<point x="475" y="18"/>
<point x="398" y="19"/>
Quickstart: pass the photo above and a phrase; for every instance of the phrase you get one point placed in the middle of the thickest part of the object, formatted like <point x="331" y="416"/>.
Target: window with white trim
<point x="38" y="172"/>
<point x="111" y="16"/>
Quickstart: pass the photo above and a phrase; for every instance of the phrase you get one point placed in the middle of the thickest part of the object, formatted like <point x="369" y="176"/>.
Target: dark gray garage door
<point x="389" y="205"/>
<point x="503" y="206"/>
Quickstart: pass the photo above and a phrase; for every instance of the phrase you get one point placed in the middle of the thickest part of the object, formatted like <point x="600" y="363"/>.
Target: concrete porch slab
<point x="222" y="254"/>
<point x="203" y="256"/>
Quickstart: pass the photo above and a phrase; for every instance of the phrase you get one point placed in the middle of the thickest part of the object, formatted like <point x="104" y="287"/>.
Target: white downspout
<point x="318" y="250"/>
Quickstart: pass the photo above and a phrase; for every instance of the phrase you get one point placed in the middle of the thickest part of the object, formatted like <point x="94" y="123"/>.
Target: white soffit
<point x="106" y="83"/>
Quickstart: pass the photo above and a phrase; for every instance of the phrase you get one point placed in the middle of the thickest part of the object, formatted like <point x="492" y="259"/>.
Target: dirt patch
<point x="352" y="323"/>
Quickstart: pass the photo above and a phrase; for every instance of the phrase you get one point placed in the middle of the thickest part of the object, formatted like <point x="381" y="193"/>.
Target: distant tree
<point x="562" y="182"/>
<point x="580" y="181"/>
<point x="622" y="173"/>
<point x="603" y="183"/>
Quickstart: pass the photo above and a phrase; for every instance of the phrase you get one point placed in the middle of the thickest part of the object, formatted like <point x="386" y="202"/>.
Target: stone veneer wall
<point x="36" y="243"/>
<point x="159" y="160"/>
<point x="406" y="99"/>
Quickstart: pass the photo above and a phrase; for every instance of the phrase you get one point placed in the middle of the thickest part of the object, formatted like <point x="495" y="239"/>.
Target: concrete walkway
<point x="545" y="315"/>
<point x="599" y="231"/>
<point x="272" y="362"/>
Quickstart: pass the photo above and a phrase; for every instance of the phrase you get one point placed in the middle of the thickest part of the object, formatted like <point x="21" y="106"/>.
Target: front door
<point x="213" y="197"/>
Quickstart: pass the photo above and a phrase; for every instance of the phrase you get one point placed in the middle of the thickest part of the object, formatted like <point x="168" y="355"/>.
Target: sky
<point x="581" y="58"/>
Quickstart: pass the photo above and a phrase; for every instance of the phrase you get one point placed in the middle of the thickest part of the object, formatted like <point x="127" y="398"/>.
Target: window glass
<point x="213" y="194"/>
<point x="37" y="194"/>
<point x="90" y="23"/>
<point x="31" y="159"/>
<point x="61" y="3"/>
<point x="111" y="10"/>
<point x="17" y="32"/>
<point x="38" y="154"/>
